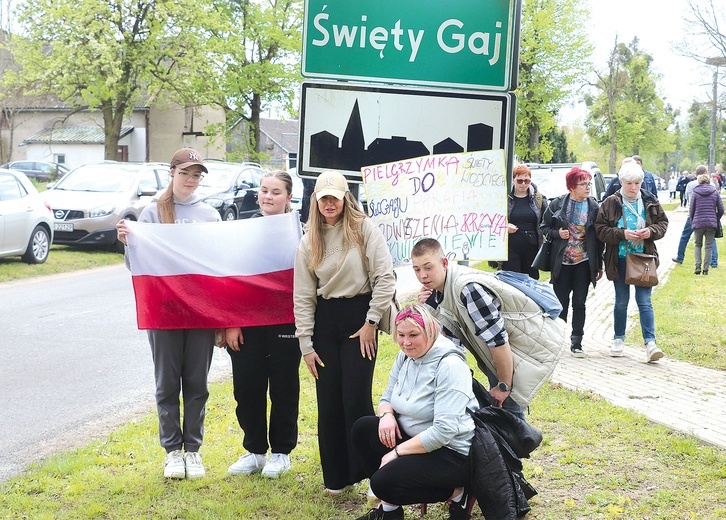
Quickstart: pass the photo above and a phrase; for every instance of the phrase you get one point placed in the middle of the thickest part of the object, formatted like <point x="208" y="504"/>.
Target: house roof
<point x="283" y="132"/>
<point x="73" y="135"/>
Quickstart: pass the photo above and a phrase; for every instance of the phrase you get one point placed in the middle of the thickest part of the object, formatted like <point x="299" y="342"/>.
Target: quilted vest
<point x="537" y="341"/>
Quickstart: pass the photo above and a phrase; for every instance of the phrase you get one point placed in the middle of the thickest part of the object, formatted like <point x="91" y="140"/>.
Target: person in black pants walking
<point x="263" y="356"/>
<point x="576" y="258"/>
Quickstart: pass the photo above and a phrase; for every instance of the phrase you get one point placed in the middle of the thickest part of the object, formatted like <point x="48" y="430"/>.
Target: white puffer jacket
<point x="537" y="341"/>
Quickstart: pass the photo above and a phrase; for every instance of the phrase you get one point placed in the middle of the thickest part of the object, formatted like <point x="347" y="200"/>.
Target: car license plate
<point x="63" y="226"/>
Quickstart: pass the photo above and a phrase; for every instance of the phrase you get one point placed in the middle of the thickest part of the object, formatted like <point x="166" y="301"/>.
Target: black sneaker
<point x="675" y="259"/>
<point x="460" y="510"/>
<point x="577" y="352"/>
<point x="379" y="513"/>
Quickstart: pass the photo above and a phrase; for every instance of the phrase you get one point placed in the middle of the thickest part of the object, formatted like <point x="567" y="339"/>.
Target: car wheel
<point x="38" y="246"/>
<point x="229" y="214"/>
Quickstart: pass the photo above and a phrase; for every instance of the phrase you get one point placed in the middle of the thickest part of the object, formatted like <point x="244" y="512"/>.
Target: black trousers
<point x="573" y="279"/>
<point x="409" y="479"/>
<point x="343" y="387"/>
<point x="270" y="356"/>
<point x="520" y="256"/>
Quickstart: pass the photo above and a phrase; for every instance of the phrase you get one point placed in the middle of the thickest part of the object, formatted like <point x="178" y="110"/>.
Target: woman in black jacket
<point x="576" y="257"/>
<point x="525" y="208"/>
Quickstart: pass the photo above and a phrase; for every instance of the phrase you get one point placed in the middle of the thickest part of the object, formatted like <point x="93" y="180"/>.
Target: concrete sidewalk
<point x="679" y="395"/>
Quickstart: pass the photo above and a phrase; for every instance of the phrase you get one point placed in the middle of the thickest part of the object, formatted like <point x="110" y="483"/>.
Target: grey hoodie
<point x="191" y="210"/>
<point x="430" y="395"/>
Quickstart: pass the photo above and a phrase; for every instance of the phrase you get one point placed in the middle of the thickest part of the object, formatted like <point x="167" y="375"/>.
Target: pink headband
<point x="408" y="313"/>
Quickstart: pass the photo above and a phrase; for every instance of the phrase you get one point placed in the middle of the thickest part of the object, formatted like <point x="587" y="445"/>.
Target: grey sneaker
<point x="248" y="464"/>
<point x="617" y="349"/>
<point x="278" y="464"/>
<point x="652" y="352"/>
<point x="174" y="465"/>
<point x="194" y="466"/>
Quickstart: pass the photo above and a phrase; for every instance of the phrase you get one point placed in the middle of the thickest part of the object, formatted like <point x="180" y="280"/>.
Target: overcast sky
<point x="658" y="24"/>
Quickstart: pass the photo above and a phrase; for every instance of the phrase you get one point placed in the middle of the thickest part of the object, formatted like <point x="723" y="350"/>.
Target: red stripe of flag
<point x="196" y="301"/>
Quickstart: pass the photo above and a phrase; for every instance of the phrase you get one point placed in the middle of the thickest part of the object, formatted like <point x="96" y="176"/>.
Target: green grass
<point x="597" y="461"/>
<point x="61" y="259"/>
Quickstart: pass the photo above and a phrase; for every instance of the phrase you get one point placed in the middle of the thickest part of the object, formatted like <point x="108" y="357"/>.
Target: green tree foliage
<point x="626" y="113"/>
<point x="257" y="49"/>
<point x="698" y="133"/>
<point x="105" y="55"/>
<point x="554" y="60"/>
<point x="560" y="153"/>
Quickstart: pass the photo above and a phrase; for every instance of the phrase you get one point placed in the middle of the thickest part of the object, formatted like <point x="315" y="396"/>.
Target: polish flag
<point x="210" y="275"/>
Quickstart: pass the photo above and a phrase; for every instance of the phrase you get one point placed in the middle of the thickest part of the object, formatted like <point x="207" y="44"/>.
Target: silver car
<point x="89" y="201"/>
<point x="26" y="223"/>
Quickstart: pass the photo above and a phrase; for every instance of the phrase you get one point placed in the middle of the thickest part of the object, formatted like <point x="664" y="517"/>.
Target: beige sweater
<point x="341" y="274"/>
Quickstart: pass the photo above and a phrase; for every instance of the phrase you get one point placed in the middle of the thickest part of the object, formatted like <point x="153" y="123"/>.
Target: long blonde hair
<point x="352" y="229"/>
<point x="165" y="204"/>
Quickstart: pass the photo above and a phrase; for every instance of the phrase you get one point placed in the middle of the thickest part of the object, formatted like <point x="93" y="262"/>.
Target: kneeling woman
<point x="416" y="449"/>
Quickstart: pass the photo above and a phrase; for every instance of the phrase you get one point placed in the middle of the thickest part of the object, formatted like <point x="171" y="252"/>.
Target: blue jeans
<point x="642" y="298"/>
<point x="685" y="237"/>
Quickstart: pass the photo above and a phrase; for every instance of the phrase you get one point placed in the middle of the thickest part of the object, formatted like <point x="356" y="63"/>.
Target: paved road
<point x="74" y="364"/>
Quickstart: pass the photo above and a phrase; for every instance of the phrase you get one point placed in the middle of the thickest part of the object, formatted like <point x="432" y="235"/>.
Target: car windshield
<point x="550" y="182"/>
<point x="99" y="177"/>
<point x="218" y="178"/>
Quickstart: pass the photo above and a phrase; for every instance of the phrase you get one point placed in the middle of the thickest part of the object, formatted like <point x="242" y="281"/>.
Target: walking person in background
<point x="649" y="183"/>
<point x="262" y="358"/>
<point x="343" y="284"/>
<point x="672" y="182"/>
<point x="416" y="450"/>
<point x="182" y="358"/>
<point x="576" y="256"/>
<point x="526" y="206"/>
<point x="705" y="210"/>
<point x="681" y="186"/>
<point x="630" y="221"/>
<point x="688" y="229"/>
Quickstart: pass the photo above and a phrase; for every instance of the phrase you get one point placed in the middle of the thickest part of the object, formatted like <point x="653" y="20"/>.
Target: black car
<point x="231" y="188"/>
<point x="41" y="171"/>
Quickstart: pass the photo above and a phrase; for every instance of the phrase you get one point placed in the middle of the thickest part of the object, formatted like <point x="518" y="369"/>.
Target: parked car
<point x="550" y="178"/>
<point x="89" y="201"/>
<point x="297" y="190"/>
<point x="231" y="188"/>
<point x="26" y="223"/>
<point x="41" y="171"/>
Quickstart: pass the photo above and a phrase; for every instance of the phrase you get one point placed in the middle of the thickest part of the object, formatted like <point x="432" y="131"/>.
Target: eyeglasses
<point x="584" y="184"/>
<point x="523" y="181"/>
<point x="196" y="177"/>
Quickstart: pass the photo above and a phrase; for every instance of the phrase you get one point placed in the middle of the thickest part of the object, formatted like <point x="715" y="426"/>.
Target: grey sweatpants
<point x="181" y="364"/>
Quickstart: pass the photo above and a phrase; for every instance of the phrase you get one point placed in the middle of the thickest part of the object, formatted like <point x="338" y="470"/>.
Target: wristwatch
<point x="504" y="387"/>
<point x="372" y="324"/>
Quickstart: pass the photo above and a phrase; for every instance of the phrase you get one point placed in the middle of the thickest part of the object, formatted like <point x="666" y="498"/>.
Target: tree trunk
<point x="255" y="123"/>
<point x="534" y="141"/>
<point x="113" y="118"/>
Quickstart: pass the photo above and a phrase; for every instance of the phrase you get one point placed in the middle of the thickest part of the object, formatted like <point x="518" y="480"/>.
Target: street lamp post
<point x="716" y="62"/>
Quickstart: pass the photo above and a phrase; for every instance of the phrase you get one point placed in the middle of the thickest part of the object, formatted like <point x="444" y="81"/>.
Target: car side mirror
<point x="243" y="186"/>
<point x="147" y="192"/>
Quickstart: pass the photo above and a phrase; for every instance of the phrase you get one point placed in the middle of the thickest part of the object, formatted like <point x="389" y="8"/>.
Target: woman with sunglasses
<point x="181" y="357"/>
<point x="576" y="256"/>
<point x="525" y="207"/>
<point x="416" y="449"/>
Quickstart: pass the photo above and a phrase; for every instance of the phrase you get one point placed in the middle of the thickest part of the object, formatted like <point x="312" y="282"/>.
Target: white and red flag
<point x="214" y="274"/>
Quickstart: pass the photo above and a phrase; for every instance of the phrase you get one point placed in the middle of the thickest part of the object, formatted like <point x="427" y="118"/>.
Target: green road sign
<point x="453" y="43"/>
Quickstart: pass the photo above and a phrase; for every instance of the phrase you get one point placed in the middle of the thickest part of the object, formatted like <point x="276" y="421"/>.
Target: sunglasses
<point x="523" y="181"/>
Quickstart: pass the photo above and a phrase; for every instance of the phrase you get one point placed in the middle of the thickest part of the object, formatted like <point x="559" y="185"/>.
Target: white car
<point x="297" y="190"/>
<point x="26" y="223"/>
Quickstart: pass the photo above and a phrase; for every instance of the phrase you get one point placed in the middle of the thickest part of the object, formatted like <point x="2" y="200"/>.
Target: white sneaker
<point x="617" y="349"/>
<point x="174" y="465"/>
<point x="278" y="464"/>
<point x="194" y="466"/>
<point x="248" y="464"/>
<point x="340" y="491"/>
<point x="652" y="352"/>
